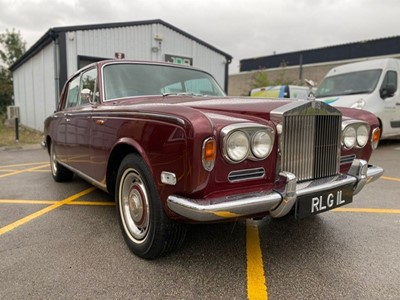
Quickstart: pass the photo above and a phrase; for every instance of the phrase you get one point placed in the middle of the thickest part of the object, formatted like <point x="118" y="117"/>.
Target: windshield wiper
<point x="358" y="92"/>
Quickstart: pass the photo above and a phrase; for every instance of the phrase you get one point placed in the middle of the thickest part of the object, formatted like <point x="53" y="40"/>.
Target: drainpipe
<point x="301" y="68"/>
<point x="228" y="61"/>
<point x="54" y="37"/>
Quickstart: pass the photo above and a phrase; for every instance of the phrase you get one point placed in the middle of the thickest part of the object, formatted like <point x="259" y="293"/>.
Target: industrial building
<point x="41" y="72"/>
<point x="296" y="66"/>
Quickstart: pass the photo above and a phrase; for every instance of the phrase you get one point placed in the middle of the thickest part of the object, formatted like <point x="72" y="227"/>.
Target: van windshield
<point x="360" y="82"/>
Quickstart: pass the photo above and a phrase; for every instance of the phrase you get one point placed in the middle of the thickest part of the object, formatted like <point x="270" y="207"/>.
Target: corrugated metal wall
<point x="35" y="89"/>
<point x="136" y="42"/>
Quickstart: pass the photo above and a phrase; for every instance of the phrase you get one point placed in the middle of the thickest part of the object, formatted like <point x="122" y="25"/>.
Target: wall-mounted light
<point x="71" y="35"/>
<point x="158" y="38"/>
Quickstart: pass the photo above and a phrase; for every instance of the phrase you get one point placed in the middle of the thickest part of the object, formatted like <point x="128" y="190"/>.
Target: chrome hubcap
<point x="134" y="205"/>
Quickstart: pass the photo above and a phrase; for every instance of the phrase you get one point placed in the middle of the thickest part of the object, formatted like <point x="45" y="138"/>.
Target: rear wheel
<point x="148" y="232"/>
<point x="59" y="172"/>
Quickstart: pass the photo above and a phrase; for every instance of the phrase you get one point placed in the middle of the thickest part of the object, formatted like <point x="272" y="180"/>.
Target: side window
<point x="73" y="91"/>
<point x="173" y="88"/>
<point x="88" y="87"/>
<point x="200" y="86"/>
<point x="389" y="84"/>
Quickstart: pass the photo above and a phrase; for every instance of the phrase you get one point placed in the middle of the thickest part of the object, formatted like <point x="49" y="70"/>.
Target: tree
<point x="260" y="79"/>
<point x="12" y="46"/>
<point x="6" y="89"/>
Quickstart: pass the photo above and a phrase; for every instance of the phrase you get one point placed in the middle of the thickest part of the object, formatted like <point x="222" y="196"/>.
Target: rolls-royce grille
<point x="310" y="145"/>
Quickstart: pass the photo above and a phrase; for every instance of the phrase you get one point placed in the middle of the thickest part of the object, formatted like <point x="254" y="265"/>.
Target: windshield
<point x="361" y="82"/>
<point x="129" y="80"/>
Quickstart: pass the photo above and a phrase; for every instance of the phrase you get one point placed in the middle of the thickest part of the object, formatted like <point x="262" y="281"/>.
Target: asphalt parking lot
<point x="62" y="241"/>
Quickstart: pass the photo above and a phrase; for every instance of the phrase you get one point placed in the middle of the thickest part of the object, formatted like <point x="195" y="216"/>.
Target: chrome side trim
<point x="86" y="177"/>
<point x="133" y="114"/>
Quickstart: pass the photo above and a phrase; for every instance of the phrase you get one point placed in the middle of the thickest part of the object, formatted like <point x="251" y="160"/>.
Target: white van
<point x="281" y="91"/>
<point x="372" y="85"/>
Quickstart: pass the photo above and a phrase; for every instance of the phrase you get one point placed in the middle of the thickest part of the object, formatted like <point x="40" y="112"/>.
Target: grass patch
<point x="26" y="135"/>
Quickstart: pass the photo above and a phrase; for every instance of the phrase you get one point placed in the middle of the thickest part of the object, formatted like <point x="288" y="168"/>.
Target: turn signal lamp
<point x="376" y="134"/>
<point x="209" y="153"/>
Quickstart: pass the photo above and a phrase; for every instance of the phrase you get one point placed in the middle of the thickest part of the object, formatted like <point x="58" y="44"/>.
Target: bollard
<point x="16" y="130"/>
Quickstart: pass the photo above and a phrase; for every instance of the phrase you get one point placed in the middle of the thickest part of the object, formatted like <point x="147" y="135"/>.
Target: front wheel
<point x="148" y="232"/>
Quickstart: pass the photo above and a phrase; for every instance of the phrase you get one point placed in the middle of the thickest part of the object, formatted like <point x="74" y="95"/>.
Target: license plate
<point x="320" y="202"/>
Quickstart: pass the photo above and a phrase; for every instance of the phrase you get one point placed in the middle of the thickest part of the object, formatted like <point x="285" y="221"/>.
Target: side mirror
<point x="387" y="91"/>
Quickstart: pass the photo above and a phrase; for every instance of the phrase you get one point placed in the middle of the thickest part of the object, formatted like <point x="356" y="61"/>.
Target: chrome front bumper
<point x="277" y="202"/>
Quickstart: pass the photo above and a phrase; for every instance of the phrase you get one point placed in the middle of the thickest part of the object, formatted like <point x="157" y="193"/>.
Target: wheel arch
<point x="120" y="150"/>
<point x="48" y="144"/>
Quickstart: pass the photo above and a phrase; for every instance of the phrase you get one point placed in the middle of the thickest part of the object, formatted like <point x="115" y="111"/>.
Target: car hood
<point x="259" y="107"/>
<point x="221" y="110"/>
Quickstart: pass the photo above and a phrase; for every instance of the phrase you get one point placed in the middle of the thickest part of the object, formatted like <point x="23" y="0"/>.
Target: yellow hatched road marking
<point x="24" y="171"/>
<point x="44" y="211"/>
<point x="48" y="202"/>
<point x="390" y="178"/>
<point x="368" y="210"/>
<point x="25" y="164"/>
<point x="33" y="171"/>
<point x="256" y="282"/>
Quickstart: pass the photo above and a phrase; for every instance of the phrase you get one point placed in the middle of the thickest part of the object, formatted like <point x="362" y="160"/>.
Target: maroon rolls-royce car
<point x="174" y="149"/>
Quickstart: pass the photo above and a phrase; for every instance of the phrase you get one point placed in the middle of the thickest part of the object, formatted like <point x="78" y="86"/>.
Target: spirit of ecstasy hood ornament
<point x="311" y="84"/>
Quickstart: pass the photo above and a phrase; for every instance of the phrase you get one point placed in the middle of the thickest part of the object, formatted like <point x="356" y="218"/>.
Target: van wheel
<point x="59" y="172"/>
<point x="147" y="230"/>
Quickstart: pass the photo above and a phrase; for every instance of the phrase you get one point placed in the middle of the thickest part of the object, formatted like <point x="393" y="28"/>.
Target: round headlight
<point x="237" y="146"/>
<point x="362" y="136"/>
<point x="261" y="144"/>
<point x="349" y="137"/>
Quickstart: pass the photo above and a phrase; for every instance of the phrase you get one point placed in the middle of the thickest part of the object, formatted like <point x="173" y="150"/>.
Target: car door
<point x="391" y="97"/>
<point x="79" y="124"/>
<point x="61" y="118"/>
<point x="58" y="133"/>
